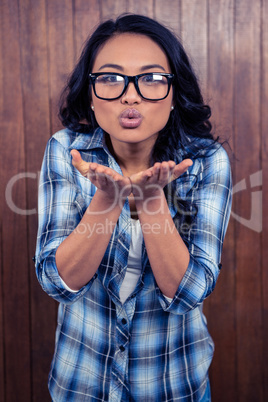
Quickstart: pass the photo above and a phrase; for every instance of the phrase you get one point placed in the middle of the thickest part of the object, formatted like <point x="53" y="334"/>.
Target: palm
<point x="103" y="177"/>
<point x="157" y="177"/>
<point x="147" y="181"/>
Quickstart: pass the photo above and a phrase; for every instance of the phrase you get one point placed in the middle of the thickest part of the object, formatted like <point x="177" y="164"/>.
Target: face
<point x="131" y="119"/>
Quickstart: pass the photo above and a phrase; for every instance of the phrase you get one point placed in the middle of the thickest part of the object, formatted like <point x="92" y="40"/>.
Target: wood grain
<point x="228" y="42"/>
<point x="142" y="7"/>
<point x="113" y="8"/>
<point x="248" y="242"/>
<point x="2" y="206"/>
<point x="35" y="88"/>
<point x="60" y="53"/>
<point x="195" y="37"/>
<point x="86" y="18"/>
<point x="219" y="307"/>
<point x="16" y="303"/>
<point x="2" y="360"/>
<point x="169" y="16"/>
<point x="264" y="159"/>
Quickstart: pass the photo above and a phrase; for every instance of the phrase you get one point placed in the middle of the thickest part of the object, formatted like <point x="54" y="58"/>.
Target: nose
<point x="130" y="96"/>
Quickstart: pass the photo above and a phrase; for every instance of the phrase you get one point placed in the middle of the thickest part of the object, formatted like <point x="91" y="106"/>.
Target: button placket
<point x="120" y="361"/>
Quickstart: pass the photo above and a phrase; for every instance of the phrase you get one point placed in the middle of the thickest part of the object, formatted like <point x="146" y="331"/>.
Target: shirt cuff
<point x="168" y="299"/>
<point x="67" y="287"/>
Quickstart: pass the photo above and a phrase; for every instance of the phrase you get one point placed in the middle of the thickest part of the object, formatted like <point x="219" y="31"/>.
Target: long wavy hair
<point x="188" y="122"/>
<point x="190" y="117"/>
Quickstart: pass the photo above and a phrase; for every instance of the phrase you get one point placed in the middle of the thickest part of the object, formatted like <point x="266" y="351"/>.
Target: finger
<point x="79" y="163"/>
<point x="107" y="176"/>
<point x="155" y="170"/>
<point x="151" y="174"/>
<point x="181" y="168"/>
<point x="172" y="165"/>
<point x="146" y="176"/>
<point x="100" y="177"/>
<point x="165" y="169"/>
<point x="165" y="172"/>
<point x="92" y="172"/>
<point x="76" y="157"/>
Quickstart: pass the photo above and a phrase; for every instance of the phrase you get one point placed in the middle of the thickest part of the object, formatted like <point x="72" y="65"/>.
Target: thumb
<point x="76" y="157"/>
<point x="79" y="163"/>
<point x="181" y="168"/>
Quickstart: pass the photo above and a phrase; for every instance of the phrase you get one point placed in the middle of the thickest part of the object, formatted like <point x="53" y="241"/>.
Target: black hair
<point x="190" y="117"/>
<point x="188" y="122"/>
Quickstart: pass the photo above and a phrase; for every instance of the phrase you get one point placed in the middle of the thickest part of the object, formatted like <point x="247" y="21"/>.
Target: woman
<point x="134" y="202"/>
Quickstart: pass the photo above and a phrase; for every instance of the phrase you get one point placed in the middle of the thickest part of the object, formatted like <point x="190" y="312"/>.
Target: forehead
<point x="131" y="51"/>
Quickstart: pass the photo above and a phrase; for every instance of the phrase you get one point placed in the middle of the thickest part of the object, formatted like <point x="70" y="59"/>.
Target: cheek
<point x="160" y="116"/>
<point x="103" y="115"/>
<point x="162" y="111"/>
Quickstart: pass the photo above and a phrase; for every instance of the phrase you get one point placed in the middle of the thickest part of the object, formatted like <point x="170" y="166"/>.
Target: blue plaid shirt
<point x="147" y="349"/>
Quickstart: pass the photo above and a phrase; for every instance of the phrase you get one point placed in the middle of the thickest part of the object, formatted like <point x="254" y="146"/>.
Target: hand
<point x="145" y="183"/>
<point x="150" y="181"/>
<point x="103" y="177"/>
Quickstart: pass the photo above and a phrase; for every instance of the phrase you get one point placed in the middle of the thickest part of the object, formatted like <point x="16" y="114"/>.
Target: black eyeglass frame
<point x="128" y="79"/>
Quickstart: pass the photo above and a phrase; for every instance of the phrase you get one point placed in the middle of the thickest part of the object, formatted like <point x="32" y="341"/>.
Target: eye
<point x="110" y="79"/>
<point x="152" y="79"/>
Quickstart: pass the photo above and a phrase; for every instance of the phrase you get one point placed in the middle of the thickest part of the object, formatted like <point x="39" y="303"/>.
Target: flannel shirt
<point x="147" y="349"/>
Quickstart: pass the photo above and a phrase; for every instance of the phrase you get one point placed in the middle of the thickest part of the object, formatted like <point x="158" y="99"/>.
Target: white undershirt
<point x="134" y="261"/>
<point x="133" y="265"/>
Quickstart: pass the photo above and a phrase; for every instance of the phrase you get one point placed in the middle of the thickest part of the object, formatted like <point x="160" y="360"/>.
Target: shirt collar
<point x="85" y="141"/>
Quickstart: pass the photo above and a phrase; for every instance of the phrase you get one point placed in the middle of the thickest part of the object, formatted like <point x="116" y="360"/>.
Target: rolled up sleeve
<point x="60" y="208"/>
<point x="212" y="196"/>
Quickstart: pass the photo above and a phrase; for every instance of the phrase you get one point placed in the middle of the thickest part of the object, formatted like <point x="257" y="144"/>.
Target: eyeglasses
<point x="150" y="86"/>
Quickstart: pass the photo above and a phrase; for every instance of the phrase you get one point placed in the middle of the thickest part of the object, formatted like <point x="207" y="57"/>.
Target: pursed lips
<point x="130" y="118"/>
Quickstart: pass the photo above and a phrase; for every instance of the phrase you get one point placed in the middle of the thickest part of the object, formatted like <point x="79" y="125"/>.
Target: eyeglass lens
<point x="151" y="86"/>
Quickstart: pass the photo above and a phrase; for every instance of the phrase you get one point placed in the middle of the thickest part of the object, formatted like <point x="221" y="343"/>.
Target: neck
<point x="132" y="158"/>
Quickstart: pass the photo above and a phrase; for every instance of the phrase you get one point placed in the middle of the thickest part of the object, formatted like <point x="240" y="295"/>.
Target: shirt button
<point x="124" y="321"/>
<point x="122" y="348"/>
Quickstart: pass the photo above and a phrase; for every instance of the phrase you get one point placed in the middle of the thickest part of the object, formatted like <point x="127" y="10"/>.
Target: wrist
<point x="105" y="202"/>
<point x="151" y="204"/>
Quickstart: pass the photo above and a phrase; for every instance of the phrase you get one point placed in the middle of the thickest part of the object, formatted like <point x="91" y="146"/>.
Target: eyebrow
<point x="111" y="66"/>
<point x="143" y="68"/>
<point x="150" y="66"/>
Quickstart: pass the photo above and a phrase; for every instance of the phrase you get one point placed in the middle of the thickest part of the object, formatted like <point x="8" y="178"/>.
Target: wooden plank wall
<point x="228" y="44"/>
